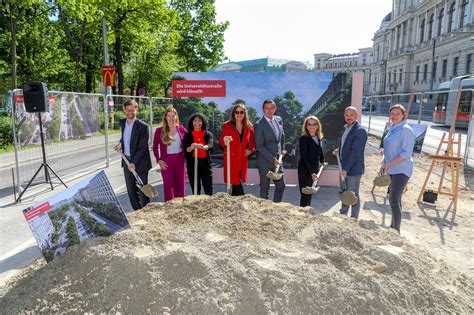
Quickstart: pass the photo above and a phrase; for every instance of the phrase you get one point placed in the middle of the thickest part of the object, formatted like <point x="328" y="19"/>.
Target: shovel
<point x="310" y="190"/>
<point x="275" y="175"/>
<point x="148" y="190"/>
<point x="348" y="197"/>
<point x="228" y="167"/>
<point x="195" y="171"/>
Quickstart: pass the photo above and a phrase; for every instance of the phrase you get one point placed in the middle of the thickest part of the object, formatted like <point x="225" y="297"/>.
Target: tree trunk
<point x="119" y="60"/>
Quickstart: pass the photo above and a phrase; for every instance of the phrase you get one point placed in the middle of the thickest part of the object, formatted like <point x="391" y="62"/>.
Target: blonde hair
<point x="304" y="129"/>
<point x="165" y="131"/>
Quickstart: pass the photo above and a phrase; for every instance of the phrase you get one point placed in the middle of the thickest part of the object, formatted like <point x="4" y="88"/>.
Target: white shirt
<point x="174" y="147"/>
<point x="344" y="136"/>
<point x="127" y="134"/>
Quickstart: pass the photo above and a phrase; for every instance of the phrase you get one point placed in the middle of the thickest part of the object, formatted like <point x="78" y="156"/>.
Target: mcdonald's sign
<point x="108" y="75"/>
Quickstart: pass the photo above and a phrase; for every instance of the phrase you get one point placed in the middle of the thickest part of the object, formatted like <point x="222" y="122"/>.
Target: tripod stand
<point x="44" y="165"/>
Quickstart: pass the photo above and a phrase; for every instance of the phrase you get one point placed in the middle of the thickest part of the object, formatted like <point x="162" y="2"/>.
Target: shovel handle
<point x="319" y="174"/>
<point x="228" y="167"/>
<point x="280" y="159"/>
<point x="139" y="180"/>
<point x="195" y="170"/>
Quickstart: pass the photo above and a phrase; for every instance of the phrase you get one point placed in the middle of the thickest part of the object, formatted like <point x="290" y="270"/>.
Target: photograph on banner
<point x="87" y="209"/>
<point x="70" y="116"/>
<point x="296" y="94"/>
<point x="420" y="133"/>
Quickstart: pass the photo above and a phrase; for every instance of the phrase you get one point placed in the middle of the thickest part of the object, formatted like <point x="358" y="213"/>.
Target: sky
<point x="297" y="29"/>
<point x="254" y="87"/>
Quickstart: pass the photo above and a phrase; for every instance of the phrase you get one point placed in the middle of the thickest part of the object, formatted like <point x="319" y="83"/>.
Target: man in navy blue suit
<point x="351" y="153"/>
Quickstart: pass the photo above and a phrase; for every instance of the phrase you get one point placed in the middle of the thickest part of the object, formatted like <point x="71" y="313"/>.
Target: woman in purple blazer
<point x="170" y="154"/>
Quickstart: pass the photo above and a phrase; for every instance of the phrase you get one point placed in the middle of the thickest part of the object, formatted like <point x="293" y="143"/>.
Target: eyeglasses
<point x="312" y="124"/>
<point x="239" y="112"/>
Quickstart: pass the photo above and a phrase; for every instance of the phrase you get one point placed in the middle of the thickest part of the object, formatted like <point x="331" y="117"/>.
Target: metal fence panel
<point x="73" y="132"/>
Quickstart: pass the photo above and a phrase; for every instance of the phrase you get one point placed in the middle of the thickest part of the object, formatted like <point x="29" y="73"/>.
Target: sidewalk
<point x="18" y="247"/>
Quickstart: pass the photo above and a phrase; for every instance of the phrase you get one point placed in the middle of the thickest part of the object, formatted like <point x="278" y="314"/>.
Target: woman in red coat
<point x="238" y="132"/>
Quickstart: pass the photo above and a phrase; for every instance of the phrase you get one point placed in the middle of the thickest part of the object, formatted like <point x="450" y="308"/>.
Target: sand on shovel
<point x="242" y="255"/>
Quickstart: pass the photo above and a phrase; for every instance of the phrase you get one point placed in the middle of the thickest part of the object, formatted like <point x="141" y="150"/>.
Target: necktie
<point x="274" y="127"/>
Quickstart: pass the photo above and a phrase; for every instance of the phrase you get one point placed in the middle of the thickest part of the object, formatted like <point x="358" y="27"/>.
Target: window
<point x="455" y="65"/>
<point x="400" y="76"/>
<point x="440" y="21"/>
<point x="452" y="8"/>
<point x="389" y="77"/>
<point x="417" y="73"/>
<point x="375" y="82"/>
<point x="469" y="64"/>
<point x="433" y="71"/>
<point x="363" y="61"/>
<point x="464" y="12"/>
<point x="395" y="76"/>
<point x="422" y="31"/>
<point x="425" y="72"/>
<point x="445" y="68"/>
<point x="430" y="26"/>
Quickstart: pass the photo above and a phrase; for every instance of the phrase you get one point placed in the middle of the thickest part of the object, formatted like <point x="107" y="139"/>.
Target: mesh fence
<point x="73" y="132"/>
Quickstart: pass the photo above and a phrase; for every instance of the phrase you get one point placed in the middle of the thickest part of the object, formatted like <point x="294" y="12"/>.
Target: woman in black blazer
<point x="311" y="155"/>
<point x="199" y="137"/>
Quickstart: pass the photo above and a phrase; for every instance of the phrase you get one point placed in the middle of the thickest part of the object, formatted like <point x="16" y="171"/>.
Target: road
<point x="432" y="139"/>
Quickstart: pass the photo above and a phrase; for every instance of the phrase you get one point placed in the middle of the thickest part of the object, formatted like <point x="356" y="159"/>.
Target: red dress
<point x="238" y="161"/>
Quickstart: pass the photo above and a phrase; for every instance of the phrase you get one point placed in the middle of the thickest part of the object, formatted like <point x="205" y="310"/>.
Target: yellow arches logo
<point x="108" y="75"/>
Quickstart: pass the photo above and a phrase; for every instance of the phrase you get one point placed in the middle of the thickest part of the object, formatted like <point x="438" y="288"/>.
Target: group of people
<point x="175" y="148"/>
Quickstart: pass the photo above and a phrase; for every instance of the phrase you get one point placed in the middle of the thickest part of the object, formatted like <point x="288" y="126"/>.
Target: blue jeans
<point x="353" y="184"/>
<point x="397" y="186"/>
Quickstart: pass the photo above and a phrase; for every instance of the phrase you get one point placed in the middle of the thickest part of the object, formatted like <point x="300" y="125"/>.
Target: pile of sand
<point x="244" y="255"/>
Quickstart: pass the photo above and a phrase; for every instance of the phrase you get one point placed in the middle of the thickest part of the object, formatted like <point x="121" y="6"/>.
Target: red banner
<point x="199" y="88"/>
<point x="108" y="75"/>
<point x="30" y="214"/>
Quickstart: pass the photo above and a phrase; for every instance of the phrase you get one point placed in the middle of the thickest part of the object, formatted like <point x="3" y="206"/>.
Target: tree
<point x="201" y="45"/>
<point x="291" y="112"/>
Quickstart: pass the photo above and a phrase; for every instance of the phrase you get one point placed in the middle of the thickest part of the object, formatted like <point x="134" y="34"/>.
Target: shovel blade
<point x="149" y="191"/>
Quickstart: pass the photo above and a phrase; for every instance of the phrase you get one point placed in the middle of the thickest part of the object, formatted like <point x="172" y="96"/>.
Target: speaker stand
<point x="44" y="165"/>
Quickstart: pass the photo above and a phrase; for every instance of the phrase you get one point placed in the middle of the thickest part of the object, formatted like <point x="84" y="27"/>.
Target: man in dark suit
<point x="268" y="141"/>
<point x="134" y="145"/>
<point x="351" y="153"/>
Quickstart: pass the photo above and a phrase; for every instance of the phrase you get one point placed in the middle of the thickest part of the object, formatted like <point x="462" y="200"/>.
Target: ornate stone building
<point x="352" y="62"/>
<point x="421" y="44"/>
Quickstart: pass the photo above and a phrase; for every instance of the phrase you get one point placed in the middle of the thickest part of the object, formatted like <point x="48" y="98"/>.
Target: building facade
<point x="264" y="65"/>
<point x="422" y="43"/>
<point x="352" y="62"/>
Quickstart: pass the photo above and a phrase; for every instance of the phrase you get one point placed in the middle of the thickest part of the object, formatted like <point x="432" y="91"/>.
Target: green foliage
<point x="60" y="42"/>
<point x="71" y="233"/>
<point x="109" y="211"/>
<point x="96" y="227"/>
<point x="48" y="255"/>
<point x="6" y="132"/>
<point x="291" y="112"/>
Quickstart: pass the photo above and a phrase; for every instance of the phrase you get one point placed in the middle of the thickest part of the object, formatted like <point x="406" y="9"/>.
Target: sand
<point x="225" y="254"/>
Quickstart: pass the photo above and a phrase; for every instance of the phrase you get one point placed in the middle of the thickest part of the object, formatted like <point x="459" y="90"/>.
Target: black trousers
<point x="137" y="199"/>
<point x="238" y="190"/>
<point x="204" y="175"/>
<point x="303" y="181"/>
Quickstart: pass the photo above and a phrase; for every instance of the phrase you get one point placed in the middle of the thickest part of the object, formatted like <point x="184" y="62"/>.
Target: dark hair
<point x="130" y="102"/>
<point x="203" y="119"/>
<point x="269" y="101"/>
<point x="246" y="122"/>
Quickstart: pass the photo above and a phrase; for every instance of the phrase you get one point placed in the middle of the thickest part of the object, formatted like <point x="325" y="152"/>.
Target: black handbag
<point x="430" y="196"/>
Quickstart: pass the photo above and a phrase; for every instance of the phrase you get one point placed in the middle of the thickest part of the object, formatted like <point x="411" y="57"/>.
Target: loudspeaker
<point x="35" y="95"/>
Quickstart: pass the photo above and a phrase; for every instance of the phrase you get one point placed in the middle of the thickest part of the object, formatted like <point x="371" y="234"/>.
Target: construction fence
<point x="80" y="130"/>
